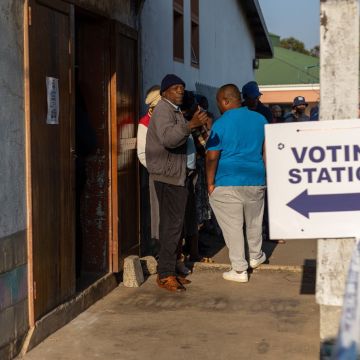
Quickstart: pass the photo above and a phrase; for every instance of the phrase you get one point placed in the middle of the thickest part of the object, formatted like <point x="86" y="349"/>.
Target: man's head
<point x="251" y="94"/>
<point x="228" y="97"/>
<point x="299" y="104"/>
<point x="276" y="111"/>
<point x="172" y="89"/>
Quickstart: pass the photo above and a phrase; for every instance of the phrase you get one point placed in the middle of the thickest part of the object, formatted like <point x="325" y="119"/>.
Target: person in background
<point x="276" y="114"/>
<point x="277" y="119"/>
<point x="314" y="113"/>
<point x="197" y="204"/>
<point x="236" y="180"/>
<point x="251" y="95"/>
<point x="298" y="110"/>
<point x="152" y="98"/>
<point x="170" y="159"/>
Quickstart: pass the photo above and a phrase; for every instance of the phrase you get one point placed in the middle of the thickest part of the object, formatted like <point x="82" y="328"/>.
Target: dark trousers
<point x="172" y="204"/>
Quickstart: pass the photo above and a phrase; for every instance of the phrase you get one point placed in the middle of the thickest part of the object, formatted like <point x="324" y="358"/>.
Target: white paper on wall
<point x="52" y="89"/>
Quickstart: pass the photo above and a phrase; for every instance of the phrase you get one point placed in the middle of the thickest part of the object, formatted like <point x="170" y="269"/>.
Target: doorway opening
<point x="92" y="73"/>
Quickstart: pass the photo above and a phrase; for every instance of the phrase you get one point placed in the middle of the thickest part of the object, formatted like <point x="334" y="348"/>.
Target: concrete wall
<point x="13" y="255"/>
<point x="339" y="81"/>
<point x="226" y="44"/>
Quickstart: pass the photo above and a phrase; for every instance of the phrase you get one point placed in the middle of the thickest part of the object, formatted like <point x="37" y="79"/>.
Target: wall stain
<point x="324" y="22"/>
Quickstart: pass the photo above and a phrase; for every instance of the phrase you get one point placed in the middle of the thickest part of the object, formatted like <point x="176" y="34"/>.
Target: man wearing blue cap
<point x="298" y="112"/>
<point x="251" y="95"/>
<point x="171" y="160"/>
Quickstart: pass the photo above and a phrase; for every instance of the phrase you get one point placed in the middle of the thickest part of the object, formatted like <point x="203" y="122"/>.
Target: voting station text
<point x="334" y="157"/>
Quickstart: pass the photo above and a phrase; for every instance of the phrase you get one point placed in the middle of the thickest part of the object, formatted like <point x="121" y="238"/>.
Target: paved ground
<point x="274" y="316"/>
<point x="293" y="252"/>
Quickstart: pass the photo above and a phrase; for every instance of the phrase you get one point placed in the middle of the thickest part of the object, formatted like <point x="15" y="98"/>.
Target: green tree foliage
<point x="315" y="51"/>
<point x="294" y="44"/>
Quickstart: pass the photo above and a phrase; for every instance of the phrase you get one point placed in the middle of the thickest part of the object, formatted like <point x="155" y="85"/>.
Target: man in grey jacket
<point x="170" y="158"/>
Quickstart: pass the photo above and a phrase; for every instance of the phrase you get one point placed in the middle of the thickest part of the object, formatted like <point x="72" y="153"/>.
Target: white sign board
<point x="52" y="89"/>
<point x="313" y="179"/>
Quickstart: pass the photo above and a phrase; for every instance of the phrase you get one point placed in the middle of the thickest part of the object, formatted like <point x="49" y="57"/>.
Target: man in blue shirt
<point x="236" y="179"/>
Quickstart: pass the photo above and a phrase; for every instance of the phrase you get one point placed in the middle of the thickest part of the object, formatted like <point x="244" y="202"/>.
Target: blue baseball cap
<point x="251" y="90"/>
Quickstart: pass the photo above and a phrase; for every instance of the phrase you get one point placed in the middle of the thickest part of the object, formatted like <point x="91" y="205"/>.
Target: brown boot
<point x="170" y="283"/>
<point x="183" y="280"/>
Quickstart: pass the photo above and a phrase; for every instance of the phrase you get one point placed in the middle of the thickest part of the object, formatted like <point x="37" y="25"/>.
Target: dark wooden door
<point x="125" y="72"/>
<point x="93" y="69"/>
<point x="52" y="161"/>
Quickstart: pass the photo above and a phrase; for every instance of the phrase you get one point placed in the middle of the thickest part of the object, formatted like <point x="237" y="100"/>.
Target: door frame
<point x="129" y="32"/>
<point x="29" y="217"/>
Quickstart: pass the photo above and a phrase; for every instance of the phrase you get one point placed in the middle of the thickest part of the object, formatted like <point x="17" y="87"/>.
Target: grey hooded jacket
<point x="165" y="148"/>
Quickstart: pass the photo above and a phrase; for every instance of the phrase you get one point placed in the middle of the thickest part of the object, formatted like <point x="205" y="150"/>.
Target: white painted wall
<point x="226" y="44"/>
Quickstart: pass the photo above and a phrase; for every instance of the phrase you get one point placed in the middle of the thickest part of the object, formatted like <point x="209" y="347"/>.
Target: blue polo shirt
<point x="239" y="135"/>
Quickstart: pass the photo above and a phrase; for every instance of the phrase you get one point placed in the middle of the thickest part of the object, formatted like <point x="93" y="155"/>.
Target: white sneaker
<point x="181" y="268"/>
<point x="255" y="263"/>
<point x="233" y="275"/>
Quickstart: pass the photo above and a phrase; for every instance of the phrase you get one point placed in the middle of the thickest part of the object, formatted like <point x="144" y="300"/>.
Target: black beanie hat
<point x="170" y="80"/>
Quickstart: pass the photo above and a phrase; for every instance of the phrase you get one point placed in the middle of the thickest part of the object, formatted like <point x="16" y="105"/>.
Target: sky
<point x="300" y="19"/>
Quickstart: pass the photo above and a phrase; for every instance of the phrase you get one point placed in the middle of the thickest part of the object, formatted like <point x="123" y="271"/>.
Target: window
<point x="178" y="31"/>
<point x="195" y="33"/>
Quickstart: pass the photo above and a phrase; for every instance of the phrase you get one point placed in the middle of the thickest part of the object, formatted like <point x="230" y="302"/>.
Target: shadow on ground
<point x="212" y="242"/>
<point x="308" y="281"/>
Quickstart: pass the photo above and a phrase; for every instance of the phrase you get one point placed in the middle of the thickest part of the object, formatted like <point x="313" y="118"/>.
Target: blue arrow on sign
<point x="305" y="204"/>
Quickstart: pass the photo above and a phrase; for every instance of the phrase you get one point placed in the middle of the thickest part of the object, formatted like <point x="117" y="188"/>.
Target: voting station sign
<point x="313" y="179"/>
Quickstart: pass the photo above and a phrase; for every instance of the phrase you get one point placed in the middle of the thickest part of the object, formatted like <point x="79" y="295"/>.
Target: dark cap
<point x="299" y="100"/>
<point x="170" y="80"/>
<point x="251" y="90"/>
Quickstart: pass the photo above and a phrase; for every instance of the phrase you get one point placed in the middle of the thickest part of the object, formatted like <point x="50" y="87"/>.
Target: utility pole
<point x="339" y="99"/>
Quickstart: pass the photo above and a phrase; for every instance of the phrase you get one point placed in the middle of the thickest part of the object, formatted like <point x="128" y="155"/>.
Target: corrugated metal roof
<point x="288" y="67"/>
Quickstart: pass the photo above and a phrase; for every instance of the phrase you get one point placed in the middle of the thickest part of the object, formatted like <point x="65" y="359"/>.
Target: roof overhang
<point x="290" y="87"/>
<point x="263" y="46"/>
<point x="138" y="6"/>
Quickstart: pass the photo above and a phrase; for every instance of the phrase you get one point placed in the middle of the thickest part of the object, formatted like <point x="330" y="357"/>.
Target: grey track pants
<point x="233" y="206"/>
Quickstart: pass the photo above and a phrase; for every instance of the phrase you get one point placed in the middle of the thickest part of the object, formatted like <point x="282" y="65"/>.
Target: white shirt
<point x="141" y="143"/>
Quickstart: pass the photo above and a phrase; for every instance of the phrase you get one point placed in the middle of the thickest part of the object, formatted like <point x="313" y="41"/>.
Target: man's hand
<point x="200" y="118"/>
<point x="211" y="188"/>
<point x="212" y="159"/>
